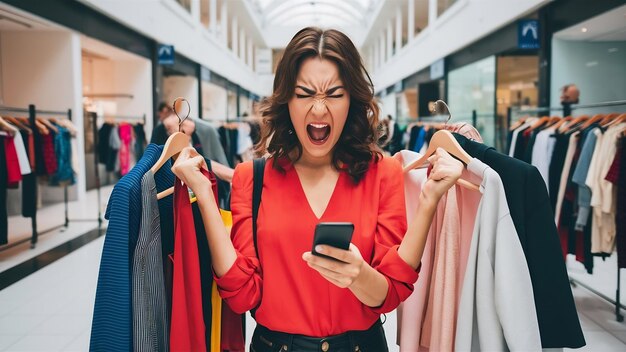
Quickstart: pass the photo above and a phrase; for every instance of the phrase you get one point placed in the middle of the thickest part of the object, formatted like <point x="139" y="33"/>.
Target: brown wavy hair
<point x="357" y="145"/>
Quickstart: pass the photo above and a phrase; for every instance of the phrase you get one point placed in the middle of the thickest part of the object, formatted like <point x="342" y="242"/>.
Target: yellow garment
<point x="216" y="319"/>
<point x="216" y="300"/>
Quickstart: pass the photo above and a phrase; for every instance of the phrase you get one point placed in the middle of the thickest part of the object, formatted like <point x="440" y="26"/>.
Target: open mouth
<point x="318" y="132"/>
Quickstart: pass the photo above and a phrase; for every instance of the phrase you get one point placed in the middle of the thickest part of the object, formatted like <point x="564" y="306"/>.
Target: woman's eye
<point x="302" y="96"/>
<point x="336" y="96"/>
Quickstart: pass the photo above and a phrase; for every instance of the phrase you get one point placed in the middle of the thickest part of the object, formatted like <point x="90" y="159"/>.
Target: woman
<point x="320" y="130"/>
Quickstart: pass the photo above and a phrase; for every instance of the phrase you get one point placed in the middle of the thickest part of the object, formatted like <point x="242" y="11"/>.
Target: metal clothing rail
<point x="32" y="115"/>
<point x="616" y="302"/>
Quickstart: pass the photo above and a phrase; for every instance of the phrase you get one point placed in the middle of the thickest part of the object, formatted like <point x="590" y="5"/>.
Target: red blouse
<point x="294" y="297"/>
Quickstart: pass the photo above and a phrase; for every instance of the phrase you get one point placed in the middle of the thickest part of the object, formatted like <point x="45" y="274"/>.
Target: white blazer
<point x="497" y="307"/>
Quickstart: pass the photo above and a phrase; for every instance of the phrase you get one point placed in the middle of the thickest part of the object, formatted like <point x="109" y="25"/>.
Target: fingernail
<point x="319" y="249"/>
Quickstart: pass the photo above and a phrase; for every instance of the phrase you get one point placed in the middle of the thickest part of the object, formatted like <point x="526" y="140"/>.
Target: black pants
<point x="370" y="340"/>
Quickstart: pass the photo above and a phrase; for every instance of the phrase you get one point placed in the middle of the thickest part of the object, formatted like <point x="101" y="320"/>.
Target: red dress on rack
<point x="187" y="331"/>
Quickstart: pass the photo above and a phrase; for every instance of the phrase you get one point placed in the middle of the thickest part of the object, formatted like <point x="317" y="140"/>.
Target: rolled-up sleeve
<point x="391" y="227"/>
<point x="241" y="286"/>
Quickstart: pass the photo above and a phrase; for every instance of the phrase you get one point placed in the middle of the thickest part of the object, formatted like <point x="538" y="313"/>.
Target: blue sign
<point x="165" y="54"/>
<point x="528" y="34"/>
<point x="437" y="69"/>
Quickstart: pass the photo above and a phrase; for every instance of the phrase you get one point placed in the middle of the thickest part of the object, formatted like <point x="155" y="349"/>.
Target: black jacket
<point x="533" y="218"/>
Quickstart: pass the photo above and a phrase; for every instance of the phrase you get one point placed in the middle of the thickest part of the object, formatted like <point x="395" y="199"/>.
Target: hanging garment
<point x="111" y="329"/>
<point x="140" y="140"/>
<point x="230" y="329"/>
<point x="556" y="166"/>
<point x="579" y="177"/>
<point x="533" y="218"/>
<point x="22" y="156"/>
<point x="112" y="163"/>
<point x="4" y="221"/>
<point x="188" y="329"/>
<point x="617" y="175"/>
<point x="429" y="315"/>
<point x="124" y="152"/>
<point x="104" y="134"/>
<point x="603" y="198"/>
<point x="63" y="151"/>
<point x="496" y="275"/>
<point x="14" y="175"/>
<point x="29" y="182"/>
<point x="206" y="269"/>
<point x="542" y="152"/>
<point x="420" y="141"/>
<point x="49" y="154"/>
<point x="565" y="173"/>
<point x="150" y="310"/>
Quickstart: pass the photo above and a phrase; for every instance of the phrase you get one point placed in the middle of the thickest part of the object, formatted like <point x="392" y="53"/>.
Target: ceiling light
<point x="584" y="29"/>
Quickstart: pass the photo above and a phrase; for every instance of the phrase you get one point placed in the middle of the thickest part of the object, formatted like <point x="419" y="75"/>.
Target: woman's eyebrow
<point x="307" y="90"/>
<point x="333" y="89"/>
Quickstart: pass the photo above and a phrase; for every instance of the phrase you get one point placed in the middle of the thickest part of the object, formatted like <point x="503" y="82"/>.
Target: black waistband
<point x="353" y="340"/>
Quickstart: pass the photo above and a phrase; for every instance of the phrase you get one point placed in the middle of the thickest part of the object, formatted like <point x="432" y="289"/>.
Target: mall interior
<point x="532" y="90"/>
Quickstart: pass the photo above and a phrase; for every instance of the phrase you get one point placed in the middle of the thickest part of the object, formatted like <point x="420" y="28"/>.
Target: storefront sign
<point x="437" y="69"/>
<point x="165" y="54"/>
<point x="528" y="34"/>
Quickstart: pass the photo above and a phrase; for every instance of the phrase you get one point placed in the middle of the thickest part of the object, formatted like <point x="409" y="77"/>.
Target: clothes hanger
<point x="518" y="123"/>
<point x="444" y="139"/>
<point x="174" y="145"/>
<point x="574" y="123"/>
<point x="542" y="121"/>
<point x="48" y="124"/>
<point x="594" y="119"/>
<point x="18" y="124"/>
<point x="10" y="129"/>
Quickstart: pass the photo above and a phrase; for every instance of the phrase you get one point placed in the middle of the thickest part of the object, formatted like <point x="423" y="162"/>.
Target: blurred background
<point x="97" y="65"/>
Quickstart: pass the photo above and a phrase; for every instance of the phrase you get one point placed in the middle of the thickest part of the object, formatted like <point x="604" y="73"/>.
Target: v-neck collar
<point x="306" y="200"/>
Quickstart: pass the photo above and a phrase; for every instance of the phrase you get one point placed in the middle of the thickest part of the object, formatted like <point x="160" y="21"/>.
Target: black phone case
<point x="335" y="234"/>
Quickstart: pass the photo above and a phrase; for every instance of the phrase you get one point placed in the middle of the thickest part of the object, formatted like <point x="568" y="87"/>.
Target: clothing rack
<point x="517" y="110"/>
<point x="617" y="301"/>
<point x="32" y="115"/>
<point x="128" y="117"/>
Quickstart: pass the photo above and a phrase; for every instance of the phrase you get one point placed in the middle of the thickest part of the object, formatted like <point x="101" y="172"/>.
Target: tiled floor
<point x="48" y="217"/>
<point x="51" y="310"/>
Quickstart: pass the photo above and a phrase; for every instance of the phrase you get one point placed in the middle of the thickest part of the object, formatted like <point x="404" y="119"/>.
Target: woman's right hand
<point x="187" y="168"/>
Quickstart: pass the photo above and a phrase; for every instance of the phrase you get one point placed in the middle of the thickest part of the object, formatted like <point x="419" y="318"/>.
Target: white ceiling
<point x="609" y="26"/>
<point x="323" y="13"/>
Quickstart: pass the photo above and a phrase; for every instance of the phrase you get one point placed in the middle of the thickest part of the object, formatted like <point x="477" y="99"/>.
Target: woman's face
<point x="319" y="107"/>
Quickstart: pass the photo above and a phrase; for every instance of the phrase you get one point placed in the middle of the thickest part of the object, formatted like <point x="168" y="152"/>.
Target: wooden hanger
<point x="48" y="124"/>
<point x="560" y="123"/>
<point x="18" y="124"/>
<point x="444" y="139"/>
<point x="594" y="119"/>
<point x="518" y="123"/>
<point x="10" y="129"/>
<point x="574" y="122"/>
<point x="173" y="146"/>
<point x="540" y="122"/>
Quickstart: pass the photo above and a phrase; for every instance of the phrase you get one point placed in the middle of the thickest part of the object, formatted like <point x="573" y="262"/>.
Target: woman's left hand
<point x="342" y="273"/>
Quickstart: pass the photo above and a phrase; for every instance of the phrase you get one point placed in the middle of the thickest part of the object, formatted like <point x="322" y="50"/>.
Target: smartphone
<point x="335" y="234"/>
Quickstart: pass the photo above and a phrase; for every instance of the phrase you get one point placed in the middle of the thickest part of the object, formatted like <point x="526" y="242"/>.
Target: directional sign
<point x="166" y="54"/>
<point x="528" y="34"/>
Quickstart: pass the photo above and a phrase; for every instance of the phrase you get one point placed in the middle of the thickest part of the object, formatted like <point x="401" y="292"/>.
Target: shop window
<point x="472" y="88"/>
<point x="443" y="5"/>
